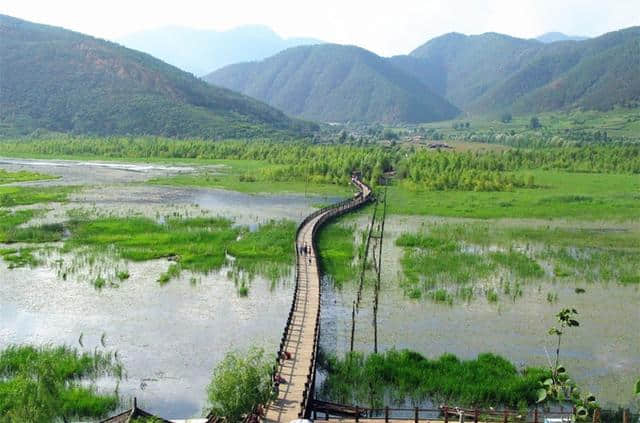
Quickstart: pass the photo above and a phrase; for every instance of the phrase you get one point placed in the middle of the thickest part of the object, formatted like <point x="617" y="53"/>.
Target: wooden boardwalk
<point x="295" y="370"/>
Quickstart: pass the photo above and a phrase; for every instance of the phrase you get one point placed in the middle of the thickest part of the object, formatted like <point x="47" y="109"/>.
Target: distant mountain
<point x="203" y="51"/>
<point x="472" y="64"/>
<point x="336" y="83"/>
<point x="60" y="80"/>
<point x="552" y="37"/>
<point x="489" y="73"/>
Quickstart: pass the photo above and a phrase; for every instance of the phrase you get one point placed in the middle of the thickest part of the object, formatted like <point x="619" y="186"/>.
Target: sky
<point x="385" y="27"/>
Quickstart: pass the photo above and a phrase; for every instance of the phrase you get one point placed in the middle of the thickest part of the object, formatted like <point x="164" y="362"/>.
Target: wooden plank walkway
<point x="300" y="339"/>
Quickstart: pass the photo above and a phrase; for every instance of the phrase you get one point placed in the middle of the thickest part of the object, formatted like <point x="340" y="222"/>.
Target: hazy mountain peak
<point x="201" y="51"/>
<point x="552" y="37"/>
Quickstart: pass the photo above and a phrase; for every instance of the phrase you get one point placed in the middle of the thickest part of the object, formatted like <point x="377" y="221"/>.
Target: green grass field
<point x="244" y="176"/>
<point x="617" y="123"/>
<point x="560" y="195"/>
<point x="7" y="177"/>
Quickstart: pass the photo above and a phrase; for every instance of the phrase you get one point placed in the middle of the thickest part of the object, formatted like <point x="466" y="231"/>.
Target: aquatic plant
<point x="488" y="380"/>
<point x="239" y="383"/>
<point x="48" y="383"/>
<point x="559" y="387"/>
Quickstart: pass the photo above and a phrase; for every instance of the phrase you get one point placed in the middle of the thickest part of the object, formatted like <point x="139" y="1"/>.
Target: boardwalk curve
<point x="296" y="363"/>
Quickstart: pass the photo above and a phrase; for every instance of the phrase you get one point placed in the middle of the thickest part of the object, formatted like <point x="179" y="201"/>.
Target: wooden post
<point x="506" y="416"/>
<point x="625" y="415"/>
<point x="475" y="415"/>
<point x="386" y="414"/>
<point x="357" y="414"/>
<point x="596" y="415"/>
<point x="446" y="414"/>
<point x="416" y="415"/>
<point x="353" y="324"/>
<point x="535" y="415"/>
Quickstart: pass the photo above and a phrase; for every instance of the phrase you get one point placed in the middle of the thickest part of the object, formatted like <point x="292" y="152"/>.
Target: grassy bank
<point x="251" y="177"/>
<point x="7" y="177"/>
<point x="489" y="380"/>
<point x="577" y="196"/>
<point x="49" y="383"/>
<point x="21" y="196"/>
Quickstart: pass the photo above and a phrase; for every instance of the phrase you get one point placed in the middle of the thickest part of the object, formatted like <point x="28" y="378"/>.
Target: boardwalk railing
<point x="330" y="411"/>
<point x="327" y="213"/>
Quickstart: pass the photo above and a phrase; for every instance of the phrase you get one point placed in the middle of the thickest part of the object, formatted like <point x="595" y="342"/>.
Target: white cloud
<point x="386" y="27"/>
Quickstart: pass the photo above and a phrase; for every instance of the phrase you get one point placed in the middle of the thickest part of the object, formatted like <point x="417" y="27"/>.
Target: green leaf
<point x="548" y="382"/>
<point x="581" y="412"/>
<point x="542" y="394"/>
<point x="638" y="387"/>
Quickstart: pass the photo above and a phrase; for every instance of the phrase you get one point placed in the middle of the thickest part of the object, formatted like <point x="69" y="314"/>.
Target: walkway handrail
<point x="445" y="413"/>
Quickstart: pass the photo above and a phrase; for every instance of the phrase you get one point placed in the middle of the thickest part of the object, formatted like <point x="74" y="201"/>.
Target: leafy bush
<point x="240" y="382"/>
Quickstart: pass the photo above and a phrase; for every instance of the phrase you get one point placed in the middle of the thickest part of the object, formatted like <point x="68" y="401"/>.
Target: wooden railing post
<point x="506" y="416"/>
<point x="386" y="414"/>
<point x="446" y="414"/>
<point x="625" y="415"/>
<point x="535" y="415"/>
<point x="416" y="415"/>
<point x="596" y="415"/>
<point x="475" y="415"/>
<point x="357" y="414"/>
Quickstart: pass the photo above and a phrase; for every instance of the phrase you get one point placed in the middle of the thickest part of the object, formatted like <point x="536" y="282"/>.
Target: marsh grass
<point x="7" y="177"/>
<point x="19" y="196"/>
<point x="19" y="257"/>
<point x="488" y="380"/>
<point x="337" y="252"/>
<point x="504" y="258"/>
<point x="44" y="383"/>
<point x="198" y="245"/>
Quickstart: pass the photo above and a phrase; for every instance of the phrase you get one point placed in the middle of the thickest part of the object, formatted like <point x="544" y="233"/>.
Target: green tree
<point x="240" y="383"/>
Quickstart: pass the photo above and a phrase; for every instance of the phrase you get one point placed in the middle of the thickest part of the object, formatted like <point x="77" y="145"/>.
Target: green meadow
<point x="558" y="195"/>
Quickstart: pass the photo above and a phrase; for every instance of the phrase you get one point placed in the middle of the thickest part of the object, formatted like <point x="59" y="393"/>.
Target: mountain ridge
<point x="65" y="81"/>
<point x="336" y="83"/>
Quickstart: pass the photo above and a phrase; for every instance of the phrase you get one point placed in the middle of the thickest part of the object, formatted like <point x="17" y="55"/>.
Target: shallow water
<point x="169" y="337"/>
<point x="602" y="355"/>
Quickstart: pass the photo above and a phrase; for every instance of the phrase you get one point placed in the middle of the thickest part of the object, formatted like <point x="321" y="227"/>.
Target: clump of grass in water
<point x="196" y="244"/>
<point x="122" y="275"/>
<point x="492" y="295"/>
<point x="31" y="375"/>
<point x="21" y="257"/>
<point x="442" y="296"/>
<point x="487" y="380"/>
<point x="337" y="252"/>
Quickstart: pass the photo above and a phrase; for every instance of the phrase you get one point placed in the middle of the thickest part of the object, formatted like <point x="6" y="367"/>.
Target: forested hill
<point x="493" y="72"/>
<point x="64" y="81"/>
<point x="336" y="83"/>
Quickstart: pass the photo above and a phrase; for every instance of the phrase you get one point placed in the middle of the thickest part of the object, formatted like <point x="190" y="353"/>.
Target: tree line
<point x="333" y="164"/>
